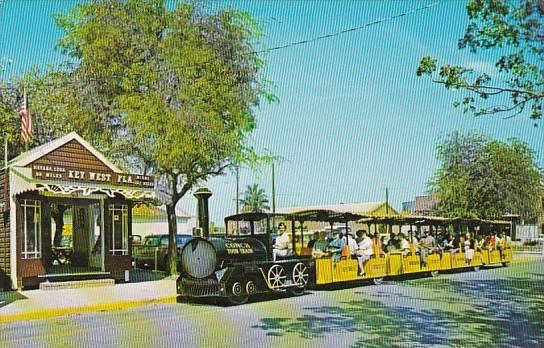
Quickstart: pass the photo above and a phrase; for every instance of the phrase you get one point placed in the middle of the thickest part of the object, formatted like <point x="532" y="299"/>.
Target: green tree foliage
<point x="514" y="31"/>
<point x="171" y="91"/>
<point x="9" y="119"/>
<point x="485" y="178"/>
<point x="255" y="199"/>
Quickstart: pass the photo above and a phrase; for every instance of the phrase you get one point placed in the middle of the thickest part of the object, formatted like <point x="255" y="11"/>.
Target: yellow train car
<point x="381" y="265"/>
<point x="329" y="271"/>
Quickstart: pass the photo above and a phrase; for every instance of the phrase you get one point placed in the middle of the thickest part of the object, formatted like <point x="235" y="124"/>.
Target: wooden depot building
<point x="66" y="214"/>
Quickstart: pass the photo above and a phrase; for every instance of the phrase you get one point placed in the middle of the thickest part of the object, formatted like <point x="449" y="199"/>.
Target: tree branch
<point x="499" y="90"/>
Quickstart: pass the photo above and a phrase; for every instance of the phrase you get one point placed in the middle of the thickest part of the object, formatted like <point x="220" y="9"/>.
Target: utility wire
<point x="275" y="48"/>
<point x="345" y="31"/>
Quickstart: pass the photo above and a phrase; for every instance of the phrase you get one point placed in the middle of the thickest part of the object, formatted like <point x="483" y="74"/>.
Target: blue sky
<point x="352" y="119"/>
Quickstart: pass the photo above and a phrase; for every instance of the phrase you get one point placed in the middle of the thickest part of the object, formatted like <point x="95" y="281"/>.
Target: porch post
<point x="13" y="239"/>
<point x="102" y="236"/>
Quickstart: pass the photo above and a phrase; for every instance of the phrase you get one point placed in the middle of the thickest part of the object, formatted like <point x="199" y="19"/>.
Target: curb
<point x="49" y="313"/>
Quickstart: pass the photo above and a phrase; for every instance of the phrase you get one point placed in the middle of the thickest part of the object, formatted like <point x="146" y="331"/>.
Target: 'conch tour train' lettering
<point x="238" y="248"/>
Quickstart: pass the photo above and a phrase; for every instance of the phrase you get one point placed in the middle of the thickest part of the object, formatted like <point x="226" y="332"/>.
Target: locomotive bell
<point x="202" y="195"/>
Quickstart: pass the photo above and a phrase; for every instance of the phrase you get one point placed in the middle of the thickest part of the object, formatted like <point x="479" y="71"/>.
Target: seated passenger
<point x="414" y="242"/>
<point x="359" y="236"/>
<point x="282" y="246"/>
<point x="506" y="240"/>
<point x="489" y="243"/>
<point x="315" y="238"/>
<point x="335" y="247"/>
<point x="364" y="252"/>
<point x="320" y="247"/>
<point x="383" y="243"/>
<point x="469" y="247"/>
<point x="404" y="245"/>
<point x="352" y="244"/>
<point x="427" y="246"/>
<point x="394" y="243"/>
<point x="377" y="245"/>
<point x="447" y="243"/>
<point x="458" y="243"/>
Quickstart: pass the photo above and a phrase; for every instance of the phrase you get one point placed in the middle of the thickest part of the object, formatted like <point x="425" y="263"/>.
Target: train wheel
<point x="434" y="273"/>
<point x="238" y="296"/>
<point x="296" y="290"/>
<point x="276" y="276"/>
<point x="377" y="281"/>
<point x="300" y="275"/>
<point x="250" y="287"/>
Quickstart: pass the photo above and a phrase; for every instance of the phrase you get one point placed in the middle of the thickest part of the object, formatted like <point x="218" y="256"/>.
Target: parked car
<point x="152" y="252"/>
<point x="136" y="239"/>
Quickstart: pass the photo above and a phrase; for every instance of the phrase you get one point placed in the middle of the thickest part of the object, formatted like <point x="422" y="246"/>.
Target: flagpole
<point x="6" y="152"/>
<point x="26" y="107"/>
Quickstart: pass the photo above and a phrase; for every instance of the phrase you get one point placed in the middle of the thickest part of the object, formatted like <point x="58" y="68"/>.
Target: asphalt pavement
<point x="495" y="307"/>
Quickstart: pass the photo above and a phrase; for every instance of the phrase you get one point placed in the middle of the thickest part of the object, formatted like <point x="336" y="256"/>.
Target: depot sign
<point x="69" y="174"/>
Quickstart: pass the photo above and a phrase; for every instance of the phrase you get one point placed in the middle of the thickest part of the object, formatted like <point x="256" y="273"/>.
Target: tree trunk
<point x="172" y="268"/>
<point x="58" y="215"/>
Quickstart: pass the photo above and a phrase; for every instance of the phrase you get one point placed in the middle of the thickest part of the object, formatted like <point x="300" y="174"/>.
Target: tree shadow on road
<point x="8" y="297"/>
<point x="508" y="311"/>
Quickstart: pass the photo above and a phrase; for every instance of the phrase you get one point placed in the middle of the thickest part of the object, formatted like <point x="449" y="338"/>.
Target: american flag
<point x="27" y="132"/>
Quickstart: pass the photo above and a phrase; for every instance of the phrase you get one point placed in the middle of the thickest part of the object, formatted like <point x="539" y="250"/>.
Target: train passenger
<point x="489" y="242"/>
<point x="413" y="242"/>
<point x="501" y="242"/>
<point x="364" y="252"/>
<point x="394" y="243"/>
<point x="469" y="247"/>
<point x="506" y="240"/>
<point x="498" y="240"/>
<point x="384" y="244"/>
<point x="352" y="245"/>
<point x="282" y="246"/>
<point x="404" y="245"/>
<point x="481" y="244"/>
<point x="427" y="246"/>
<point x="336" y="246"/>
<point x="315" y="238"/>
<point x="377" y="245"/>
<point x="447" y="243"/>
<point x="458" y="243"/>
<point x="359" y="236"/>
<point x="320" y="247"/>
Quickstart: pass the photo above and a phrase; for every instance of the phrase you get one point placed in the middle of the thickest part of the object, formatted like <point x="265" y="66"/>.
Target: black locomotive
<point x="239" y="264"/>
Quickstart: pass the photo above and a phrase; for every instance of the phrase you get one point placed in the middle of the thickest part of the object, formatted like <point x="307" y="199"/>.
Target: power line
<point x="345" y="31"/>
<point x="270" y="49"/>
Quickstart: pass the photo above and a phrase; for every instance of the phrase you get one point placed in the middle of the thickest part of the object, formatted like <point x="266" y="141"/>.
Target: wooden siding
<point x="72" y="155"/>
<point x="4" y="190"/>
<point x="5" y="263"/>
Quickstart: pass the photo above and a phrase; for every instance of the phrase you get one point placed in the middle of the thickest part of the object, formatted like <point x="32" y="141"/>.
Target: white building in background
<point x="148" y="220"/>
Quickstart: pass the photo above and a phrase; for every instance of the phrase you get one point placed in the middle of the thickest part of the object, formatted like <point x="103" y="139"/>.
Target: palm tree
<point x="255" y="199"/>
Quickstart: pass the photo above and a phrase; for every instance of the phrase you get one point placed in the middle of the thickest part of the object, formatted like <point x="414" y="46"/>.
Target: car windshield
<point x="181" y="240"/>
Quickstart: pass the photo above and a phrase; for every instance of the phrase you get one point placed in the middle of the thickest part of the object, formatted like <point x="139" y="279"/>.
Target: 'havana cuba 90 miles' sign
<point x="62" y="173"/>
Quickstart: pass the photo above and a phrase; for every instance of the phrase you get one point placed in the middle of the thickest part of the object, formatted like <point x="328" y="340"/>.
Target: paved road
<point x="500" y="307"/>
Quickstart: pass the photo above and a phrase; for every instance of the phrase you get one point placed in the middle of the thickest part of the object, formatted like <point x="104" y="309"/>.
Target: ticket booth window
<point x="119" y="233"/>
<point x="32" y="231"/>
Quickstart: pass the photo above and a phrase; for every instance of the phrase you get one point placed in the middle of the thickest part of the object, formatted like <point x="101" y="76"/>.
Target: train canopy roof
<point x="356" y="209"/>
<point x="428" y="220"/>
<point x="252" y="216"/>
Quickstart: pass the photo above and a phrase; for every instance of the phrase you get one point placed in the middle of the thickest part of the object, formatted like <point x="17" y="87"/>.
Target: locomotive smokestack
<point x="202" y="195"/>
